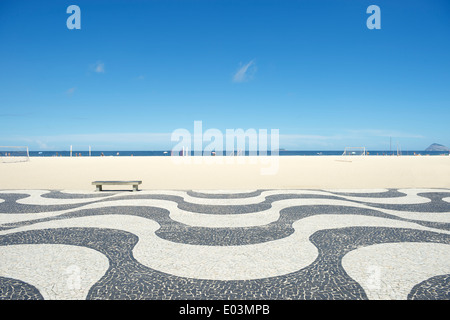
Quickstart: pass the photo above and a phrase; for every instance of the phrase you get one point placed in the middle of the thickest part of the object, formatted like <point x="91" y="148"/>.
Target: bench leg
<point x="135" y="187"/>
<point x="99" y="187"/>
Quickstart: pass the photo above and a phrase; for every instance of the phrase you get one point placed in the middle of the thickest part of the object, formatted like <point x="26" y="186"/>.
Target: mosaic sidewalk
<point x="247" y="244"/>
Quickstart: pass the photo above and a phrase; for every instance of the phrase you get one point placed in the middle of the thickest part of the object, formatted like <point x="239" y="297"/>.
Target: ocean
<point x="85" y="153"/>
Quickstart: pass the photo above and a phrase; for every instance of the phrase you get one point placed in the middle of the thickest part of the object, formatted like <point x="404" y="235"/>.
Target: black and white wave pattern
<point x="248" y="244"/>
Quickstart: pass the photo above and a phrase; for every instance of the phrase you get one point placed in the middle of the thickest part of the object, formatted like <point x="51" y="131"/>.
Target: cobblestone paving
<point x="221" y="244"/>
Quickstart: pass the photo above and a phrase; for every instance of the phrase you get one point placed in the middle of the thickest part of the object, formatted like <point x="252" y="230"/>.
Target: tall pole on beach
<point x="390" y="144"/>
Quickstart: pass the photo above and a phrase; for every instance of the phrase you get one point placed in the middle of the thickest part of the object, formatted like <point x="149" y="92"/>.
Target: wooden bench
<point x="99" y="184"/>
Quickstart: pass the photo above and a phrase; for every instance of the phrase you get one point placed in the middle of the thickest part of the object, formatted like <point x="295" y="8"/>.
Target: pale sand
<point x="289" y="172"/>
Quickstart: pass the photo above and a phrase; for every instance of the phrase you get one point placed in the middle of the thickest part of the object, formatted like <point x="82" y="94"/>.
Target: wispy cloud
<point x="384" y="133"/>
<point x="298" y="141"/>
<point x="245" y="72"/>
<point x="42" y="145"/>
<point x="98" y="67"/>
<point x="370" y="138"/>
<point x="105" y="141"/>
<point x="14" y="115"/>
<point x="70" y="91"/>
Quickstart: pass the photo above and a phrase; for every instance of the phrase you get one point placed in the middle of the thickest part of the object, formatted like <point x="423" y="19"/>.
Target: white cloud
<point x="245" y="73"/>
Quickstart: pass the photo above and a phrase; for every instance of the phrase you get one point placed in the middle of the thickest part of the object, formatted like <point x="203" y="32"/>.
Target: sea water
<point x="166" y="153"/>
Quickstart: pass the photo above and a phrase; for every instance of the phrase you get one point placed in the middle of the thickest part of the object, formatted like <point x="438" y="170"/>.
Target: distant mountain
<point x="437" y="147"/>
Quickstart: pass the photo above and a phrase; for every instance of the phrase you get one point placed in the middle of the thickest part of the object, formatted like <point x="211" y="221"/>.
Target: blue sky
<point x="138" y="70"/>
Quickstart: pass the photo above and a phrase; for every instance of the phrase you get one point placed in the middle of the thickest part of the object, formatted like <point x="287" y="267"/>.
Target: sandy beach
<point x="184" y="173"/>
